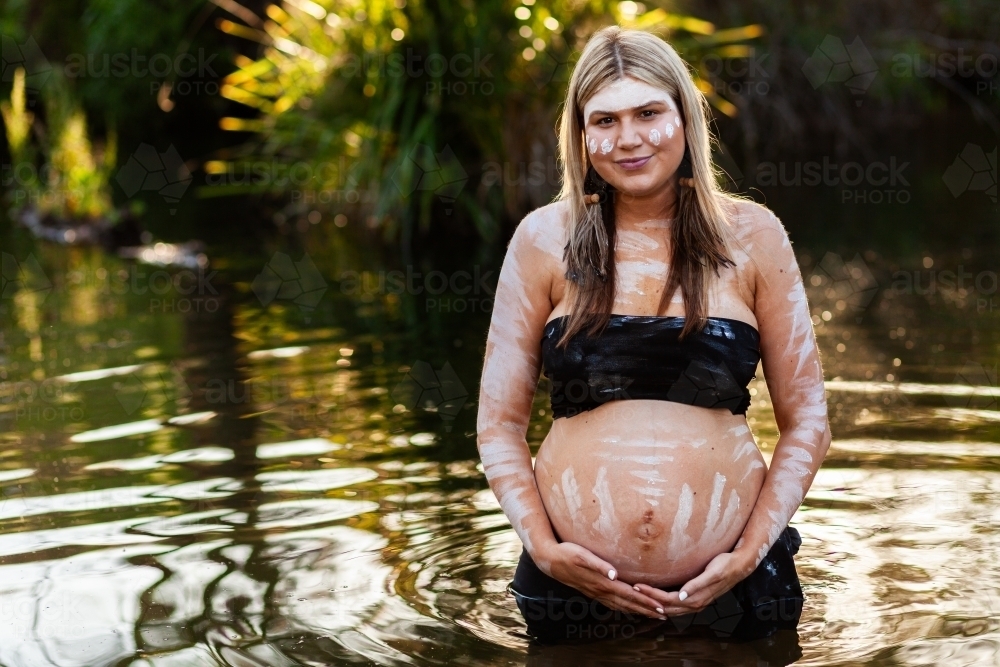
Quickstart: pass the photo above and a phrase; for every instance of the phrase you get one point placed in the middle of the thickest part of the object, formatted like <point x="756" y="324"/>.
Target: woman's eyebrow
<point x="640" y="106"/>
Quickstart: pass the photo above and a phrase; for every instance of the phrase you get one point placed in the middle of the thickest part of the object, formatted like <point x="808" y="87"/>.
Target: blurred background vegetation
<point x="405" y="122"/>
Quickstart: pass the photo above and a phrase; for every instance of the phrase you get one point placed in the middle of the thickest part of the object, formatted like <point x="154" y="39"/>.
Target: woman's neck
<point x="644" y="212"/>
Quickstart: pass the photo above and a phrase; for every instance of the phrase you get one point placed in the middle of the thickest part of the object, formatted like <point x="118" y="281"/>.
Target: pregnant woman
<point x="647" y="296"/>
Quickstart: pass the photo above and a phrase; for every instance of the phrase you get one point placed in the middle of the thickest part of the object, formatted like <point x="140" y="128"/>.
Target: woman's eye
<point x="648" y="111"/>
<point x="606" y="118"/>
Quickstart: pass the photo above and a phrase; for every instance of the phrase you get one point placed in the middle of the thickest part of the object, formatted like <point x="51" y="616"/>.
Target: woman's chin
<point x="641" y="188"/>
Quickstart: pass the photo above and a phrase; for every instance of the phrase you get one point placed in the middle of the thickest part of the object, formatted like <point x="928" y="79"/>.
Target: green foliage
<point x="72" y="182"/>
<point x="17" y="121"/>
<point x="403" y="104"/>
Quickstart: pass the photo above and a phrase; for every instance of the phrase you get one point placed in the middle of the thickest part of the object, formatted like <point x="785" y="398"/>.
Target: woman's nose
<point x="629" y="137"/>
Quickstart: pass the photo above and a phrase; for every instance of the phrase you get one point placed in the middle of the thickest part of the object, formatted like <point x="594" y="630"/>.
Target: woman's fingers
<point x="605" y="584"/>
<point x="591" y="561"/>
<point x="670" y="602"/>
<point x="660" y="597"/>
<point x="625" y="604"/>
<point x="641" y="603"/>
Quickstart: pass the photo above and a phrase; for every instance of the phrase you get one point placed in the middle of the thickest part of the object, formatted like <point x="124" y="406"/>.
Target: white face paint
<point x="669" y="129"/>
<point x="654" y="136"/>
<point x="627" y="93"/>
<point x="606" y="146"/>
<point x="591" y="144"/>
<point x="677" y="121"/>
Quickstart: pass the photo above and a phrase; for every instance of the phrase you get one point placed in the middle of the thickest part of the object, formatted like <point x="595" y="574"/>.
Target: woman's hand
<point x="720" y="575"/>
<point x="579" y="568"/>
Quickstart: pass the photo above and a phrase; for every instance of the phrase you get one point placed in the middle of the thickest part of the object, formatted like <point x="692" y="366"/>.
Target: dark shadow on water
<point x="781" y="648"/>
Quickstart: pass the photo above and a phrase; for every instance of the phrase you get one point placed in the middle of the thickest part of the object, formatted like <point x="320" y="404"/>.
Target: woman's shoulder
<point x="747" y="218"/>
<point x="544" y="229"/>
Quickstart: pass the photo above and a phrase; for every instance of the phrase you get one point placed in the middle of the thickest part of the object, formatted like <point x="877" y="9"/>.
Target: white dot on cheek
<point x="677" y="121"/>
<point x="592" y="145"/>
<point x="654" y="136"/>
<point x="669" y="130"/>
<point x="606" y="146"/>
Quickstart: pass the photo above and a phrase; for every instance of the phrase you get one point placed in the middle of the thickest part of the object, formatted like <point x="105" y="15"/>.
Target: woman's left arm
<point x="794" y="377"/>
<point x="790" y="358"/>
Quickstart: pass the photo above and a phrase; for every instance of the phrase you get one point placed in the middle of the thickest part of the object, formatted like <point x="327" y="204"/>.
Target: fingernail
<point x="663" y="618"/>
<point x="659" y="610"/>
<point x="683" y="596"/>
<point x="611" y="575"/>
<point x="636" y="587"/>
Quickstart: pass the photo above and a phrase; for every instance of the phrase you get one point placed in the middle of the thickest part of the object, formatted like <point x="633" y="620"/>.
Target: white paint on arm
<point x="794" y="376"/>
<point x="510" y="375"/>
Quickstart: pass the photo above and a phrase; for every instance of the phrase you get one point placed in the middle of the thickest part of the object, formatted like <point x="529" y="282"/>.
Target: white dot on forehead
<point x="626" y="93"/>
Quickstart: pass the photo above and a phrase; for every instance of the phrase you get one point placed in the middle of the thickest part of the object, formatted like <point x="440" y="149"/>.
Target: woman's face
<point x="634" y="135"/>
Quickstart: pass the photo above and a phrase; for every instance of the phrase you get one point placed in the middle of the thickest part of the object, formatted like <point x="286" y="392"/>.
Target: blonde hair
<point x="700" y="234"/>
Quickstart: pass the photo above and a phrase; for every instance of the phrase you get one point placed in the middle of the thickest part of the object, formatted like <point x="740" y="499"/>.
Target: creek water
<point x="273" y="463"/>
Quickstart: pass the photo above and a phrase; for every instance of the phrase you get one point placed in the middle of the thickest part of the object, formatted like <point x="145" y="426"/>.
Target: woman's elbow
<point x="826" y="439"/>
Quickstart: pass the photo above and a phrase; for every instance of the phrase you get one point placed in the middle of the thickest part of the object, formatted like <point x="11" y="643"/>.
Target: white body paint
<point x="607" y="522"/>
<point x="654" y="136"/>
<point x="655" y="488"/>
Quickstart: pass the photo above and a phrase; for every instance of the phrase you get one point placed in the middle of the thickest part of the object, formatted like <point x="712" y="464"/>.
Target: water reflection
<point x="231" y="486"/>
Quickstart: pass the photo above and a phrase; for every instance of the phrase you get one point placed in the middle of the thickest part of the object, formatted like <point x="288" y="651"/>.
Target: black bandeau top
<point x="640" y="357"/>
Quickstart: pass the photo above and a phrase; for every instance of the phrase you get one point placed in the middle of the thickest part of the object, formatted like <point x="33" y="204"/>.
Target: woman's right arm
<point x="522" y="305"/>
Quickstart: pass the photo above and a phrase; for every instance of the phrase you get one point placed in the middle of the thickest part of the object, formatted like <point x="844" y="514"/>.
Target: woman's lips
<point x="633" y="163"/>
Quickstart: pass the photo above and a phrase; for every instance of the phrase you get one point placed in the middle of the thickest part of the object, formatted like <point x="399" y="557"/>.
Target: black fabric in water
<point x="640" y="357"/>
<point x="768" y="600"/>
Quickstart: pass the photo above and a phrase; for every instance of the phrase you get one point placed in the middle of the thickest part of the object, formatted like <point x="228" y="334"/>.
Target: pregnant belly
<point x="655" y="488"/>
